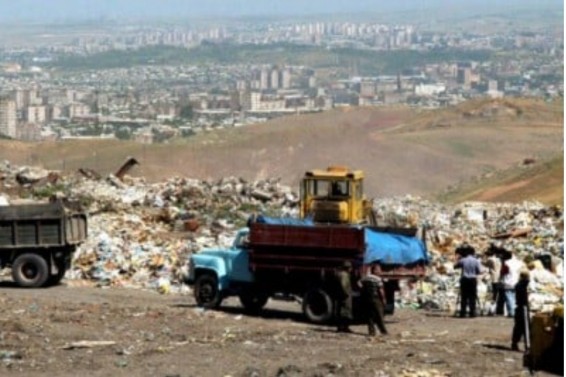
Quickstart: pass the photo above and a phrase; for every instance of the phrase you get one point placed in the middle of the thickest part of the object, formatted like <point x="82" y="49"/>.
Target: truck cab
<point x="219" y="272"/>
<point x="335" y="195"/>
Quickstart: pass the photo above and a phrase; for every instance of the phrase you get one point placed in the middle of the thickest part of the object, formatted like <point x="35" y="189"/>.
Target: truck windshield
<point x="241" y="240"/>
<point x="323" y="187"/>
<point x="340" y="188"/>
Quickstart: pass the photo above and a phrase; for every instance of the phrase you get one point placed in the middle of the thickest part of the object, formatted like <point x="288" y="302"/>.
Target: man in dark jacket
<point x="521" y="309"/>
<point x="373" y="301"/>
<point x="344" y="298"/>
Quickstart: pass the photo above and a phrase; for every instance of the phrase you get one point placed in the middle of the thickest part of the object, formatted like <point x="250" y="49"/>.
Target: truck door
<point x="237" y="260"/>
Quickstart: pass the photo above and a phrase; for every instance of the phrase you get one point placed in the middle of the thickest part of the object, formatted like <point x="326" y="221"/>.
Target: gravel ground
<point x="148" y="334"/>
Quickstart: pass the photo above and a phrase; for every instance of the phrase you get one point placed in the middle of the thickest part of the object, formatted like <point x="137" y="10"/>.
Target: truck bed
<point x="304" y="237"/>
<point x="40" y="225"/>
<point x="290" y="247"/>
<point x="315" y="248"/>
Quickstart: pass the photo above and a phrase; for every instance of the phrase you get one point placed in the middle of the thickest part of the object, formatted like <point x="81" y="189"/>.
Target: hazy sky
<point x="58" y="10"/>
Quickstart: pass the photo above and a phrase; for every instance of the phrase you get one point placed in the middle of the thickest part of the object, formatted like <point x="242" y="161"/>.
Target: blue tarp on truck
<point x="385" y="248"/>
<point x="282" y="221"/>
<point x="396" y="249"/>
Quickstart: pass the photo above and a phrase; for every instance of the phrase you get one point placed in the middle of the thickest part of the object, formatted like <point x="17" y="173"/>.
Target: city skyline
<point x="77" y="10"/>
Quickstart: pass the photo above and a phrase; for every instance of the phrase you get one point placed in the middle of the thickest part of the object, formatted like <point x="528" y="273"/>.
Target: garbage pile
<point x="140" y="233"/>
<point x="530" y="230"/>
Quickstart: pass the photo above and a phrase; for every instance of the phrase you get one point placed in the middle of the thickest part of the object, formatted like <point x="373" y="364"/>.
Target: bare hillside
<point x="403" y="151"/>
<point x="542" y="181"/>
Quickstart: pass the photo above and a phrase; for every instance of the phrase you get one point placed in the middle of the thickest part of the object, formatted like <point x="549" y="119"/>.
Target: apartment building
<point x="36" y="114"/>
<point x="8" y="117"/>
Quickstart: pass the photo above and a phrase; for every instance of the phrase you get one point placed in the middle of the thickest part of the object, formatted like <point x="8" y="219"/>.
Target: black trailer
<point x="37" y="241"/>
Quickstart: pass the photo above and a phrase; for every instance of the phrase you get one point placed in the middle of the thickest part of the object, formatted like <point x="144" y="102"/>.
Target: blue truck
<point x="299" y="260"/>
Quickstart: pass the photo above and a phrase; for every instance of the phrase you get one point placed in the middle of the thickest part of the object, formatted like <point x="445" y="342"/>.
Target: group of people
<point x="510" y="280"/>
<point x="509" y="276"/>
<point x="372" y="300"/>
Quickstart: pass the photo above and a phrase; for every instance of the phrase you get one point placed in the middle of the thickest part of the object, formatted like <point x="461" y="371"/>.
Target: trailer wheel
<point x="206" y="291"/>
<point x="318" y="306"/>
<point x="253" y="300"/>
<point x="30" y="270"/>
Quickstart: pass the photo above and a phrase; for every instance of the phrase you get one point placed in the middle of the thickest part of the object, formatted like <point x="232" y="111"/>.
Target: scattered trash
<point x="141" y="234"/>
<point x="88" y="344"/>
<point x="126" y="167"/>
<point x="10" y="355"/>
<point x="122" y="363"/>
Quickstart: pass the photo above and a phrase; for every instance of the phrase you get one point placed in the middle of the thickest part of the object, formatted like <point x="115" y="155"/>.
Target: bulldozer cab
<point x="334" y="195"/>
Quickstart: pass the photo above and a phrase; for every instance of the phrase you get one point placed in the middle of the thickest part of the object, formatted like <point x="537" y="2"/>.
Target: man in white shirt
<point x="510" y="270"/>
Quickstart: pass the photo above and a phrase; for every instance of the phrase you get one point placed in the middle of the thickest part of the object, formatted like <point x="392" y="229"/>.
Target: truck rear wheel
<point x="318" y="306"/>
<point x="253" y="300"/>
<point x="30" y="270"/>
<point x="206" y="291"/>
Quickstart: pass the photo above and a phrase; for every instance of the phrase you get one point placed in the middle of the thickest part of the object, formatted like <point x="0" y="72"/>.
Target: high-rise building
<point x="286" y="79"/>
<point x="8" y="119"/>
<point x="250" y="100"/>
<point x="275" y="79"/>
<point x="36" y="114"/>
<point x="22" y="99"/>
<point x="78" y="110"/>
<point x="312" y="82"/>
<point x="34" y="97"/>
<point x="264" y="79"/>
<point x="242" y="85"/>
<point x="255" y="100"/>
<point x="367" y="88"/>
<point x="464" y="76"/>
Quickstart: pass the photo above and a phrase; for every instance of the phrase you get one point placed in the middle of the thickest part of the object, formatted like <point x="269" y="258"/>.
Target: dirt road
<point x="166" y="335"/>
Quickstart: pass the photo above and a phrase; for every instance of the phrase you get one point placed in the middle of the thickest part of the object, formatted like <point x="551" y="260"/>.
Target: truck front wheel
<point x="206" y="291"/>
<point x="318" y="306"/>
<point x="30" y="270"/>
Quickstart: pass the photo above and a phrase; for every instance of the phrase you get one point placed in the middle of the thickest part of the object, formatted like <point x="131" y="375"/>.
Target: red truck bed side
<point x="303" y="247"/>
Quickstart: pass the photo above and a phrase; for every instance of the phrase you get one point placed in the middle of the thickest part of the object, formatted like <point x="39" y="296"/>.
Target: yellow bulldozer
<point x="335" y="195"/>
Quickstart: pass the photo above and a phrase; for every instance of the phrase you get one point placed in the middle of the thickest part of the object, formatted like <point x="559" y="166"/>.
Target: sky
<point x="66" y="10"/>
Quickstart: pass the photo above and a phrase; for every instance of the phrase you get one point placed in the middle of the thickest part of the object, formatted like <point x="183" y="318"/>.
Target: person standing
<point x="373" y="297"/>
<point x="521" y="310"/>
<point x="344" y="298"/>
<point x="509" y="279"/>
<point x="471" y="268"/>
<point x="493" y="264"/>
